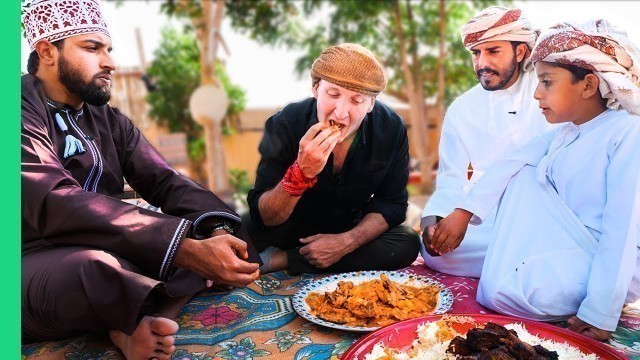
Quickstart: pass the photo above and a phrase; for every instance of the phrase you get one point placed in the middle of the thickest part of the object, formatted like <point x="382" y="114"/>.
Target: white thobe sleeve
<point x="452" y="174"/>
<point x="614" y="262"/>
<point x="486" y="193"/>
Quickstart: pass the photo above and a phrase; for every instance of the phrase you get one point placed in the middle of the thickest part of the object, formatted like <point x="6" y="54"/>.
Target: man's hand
<point x="427" y="235"/>
<point x="219" y="259"/>
<point x="450" y="231"/>
<point x="584" y="328"/>
<point x="324" y="250"/>
<point x="315" y="147"/>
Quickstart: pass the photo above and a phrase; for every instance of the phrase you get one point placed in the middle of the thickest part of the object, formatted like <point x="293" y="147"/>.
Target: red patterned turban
<point x="598" y="46"/>
<point x="499" y="23"/>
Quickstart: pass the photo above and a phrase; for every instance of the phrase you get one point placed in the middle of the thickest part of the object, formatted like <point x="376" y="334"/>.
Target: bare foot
<point x="584" y="328"/>
<point x="153" y="338"/>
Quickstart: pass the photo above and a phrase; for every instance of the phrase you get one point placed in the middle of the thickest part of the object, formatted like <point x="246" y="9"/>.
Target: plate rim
<point x="298" y="298"/>
<point x="574" y="339"/>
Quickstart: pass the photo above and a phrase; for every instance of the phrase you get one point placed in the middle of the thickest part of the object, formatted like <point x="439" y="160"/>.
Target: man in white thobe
<point x="492" y="118"/>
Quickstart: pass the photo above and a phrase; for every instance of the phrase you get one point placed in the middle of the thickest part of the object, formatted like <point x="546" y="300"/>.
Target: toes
<point x="163" y="326"/>
<point x="164" y="353"/>
<point x="166" y="341"/>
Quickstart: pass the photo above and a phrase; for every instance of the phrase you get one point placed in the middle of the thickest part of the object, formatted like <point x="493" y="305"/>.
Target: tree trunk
<point x="207" y="32"/>
<point x="435" y="125"/>
<point x="417" y="110"/>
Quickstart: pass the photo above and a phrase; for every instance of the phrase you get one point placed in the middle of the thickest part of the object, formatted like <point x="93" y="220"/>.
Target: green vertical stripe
<point x="9" y="178"/>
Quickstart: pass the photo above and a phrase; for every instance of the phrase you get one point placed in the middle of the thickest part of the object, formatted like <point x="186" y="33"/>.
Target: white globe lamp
<point x="208" y="106"/>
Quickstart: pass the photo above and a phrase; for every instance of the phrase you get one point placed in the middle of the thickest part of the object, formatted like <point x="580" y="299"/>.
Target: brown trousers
<point x="70" y="290"/>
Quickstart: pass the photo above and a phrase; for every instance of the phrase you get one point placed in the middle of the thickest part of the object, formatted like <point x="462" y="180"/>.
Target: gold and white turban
<point x="598" y="46"/>
<point x="351" y="66"/>
<point x="54" y="20"/>
<point x="499" y="23"/>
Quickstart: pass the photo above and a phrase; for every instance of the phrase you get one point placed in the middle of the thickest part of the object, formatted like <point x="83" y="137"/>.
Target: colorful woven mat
<point x="260" y="322"/>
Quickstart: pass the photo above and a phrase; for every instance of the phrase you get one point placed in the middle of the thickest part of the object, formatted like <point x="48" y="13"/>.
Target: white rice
<point x="426" y="347"/>
<point x="564" y="350"/>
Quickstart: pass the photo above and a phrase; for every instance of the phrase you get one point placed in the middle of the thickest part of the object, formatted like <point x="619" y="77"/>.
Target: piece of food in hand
<point x="335" y="124"/>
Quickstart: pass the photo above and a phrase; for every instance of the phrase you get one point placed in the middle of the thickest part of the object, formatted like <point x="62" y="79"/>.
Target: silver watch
<point x="222" y="226"/>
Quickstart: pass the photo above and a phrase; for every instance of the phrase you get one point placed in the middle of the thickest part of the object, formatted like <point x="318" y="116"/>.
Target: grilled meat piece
<point x="496" y="342"/>
<point x="542" y="351"/>
<point x="500" y="353"/>
<point x="459" y="347"/>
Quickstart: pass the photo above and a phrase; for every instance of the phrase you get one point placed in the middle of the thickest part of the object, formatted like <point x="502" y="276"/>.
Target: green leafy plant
<point x="241" y="185"/>
<point x="175" y="74"/>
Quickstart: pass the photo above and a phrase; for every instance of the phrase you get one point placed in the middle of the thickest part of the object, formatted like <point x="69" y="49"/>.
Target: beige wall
<point x="241" y="151"/>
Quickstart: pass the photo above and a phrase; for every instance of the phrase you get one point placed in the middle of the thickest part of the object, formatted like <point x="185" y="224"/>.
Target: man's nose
<point x="342" y="108"/>
<point x="107" y="62"/>
<point x="483" y="61"/>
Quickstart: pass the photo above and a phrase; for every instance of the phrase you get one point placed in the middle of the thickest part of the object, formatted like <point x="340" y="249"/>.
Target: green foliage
<point x="312" y="25"/>
<point x="374" y="25"/>
<point x="175" y="72"/>
<point x="24" y="5"/>
<point x="196" y="149"/>
<point x="241" y="185"/>
<point x="237" y="96"/>
<point x="239" y="181"/>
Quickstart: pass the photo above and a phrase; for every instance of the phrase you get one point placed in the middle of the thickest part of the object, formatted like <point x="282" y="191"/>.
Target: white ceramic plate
<point x="330" y="283"/>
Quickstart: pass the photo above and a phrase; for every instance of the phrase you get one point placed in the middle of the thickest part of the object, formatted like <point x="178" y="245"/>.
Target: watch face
<point x="223" y="226"/>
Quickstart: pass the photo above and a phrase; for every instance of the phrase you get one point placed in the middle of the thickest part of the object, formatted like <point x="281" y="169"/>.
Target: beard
<point x="87" y="91"/>
<point x="503" y="77"/>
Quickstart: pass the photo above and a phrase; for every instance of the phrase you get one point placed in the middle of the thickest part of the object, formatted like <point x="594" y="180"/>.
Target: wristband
<point x="294" y="181"/>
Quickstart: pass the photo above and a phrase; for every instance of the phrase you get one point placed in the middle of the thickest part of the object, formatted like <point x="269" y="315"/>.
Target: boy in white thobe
<point x="568" y="225"/>
<point x="482" y="125"/>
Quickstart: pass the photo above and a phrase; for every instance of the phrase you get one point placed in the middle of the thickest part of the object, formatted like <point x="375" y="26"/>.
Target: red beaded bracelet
<point x="294" y="181"/>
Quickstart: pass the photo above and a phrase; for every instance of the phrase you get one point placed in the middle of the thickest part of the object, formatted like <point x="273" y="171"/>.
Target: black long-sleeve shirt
<point x="373" y="178"/>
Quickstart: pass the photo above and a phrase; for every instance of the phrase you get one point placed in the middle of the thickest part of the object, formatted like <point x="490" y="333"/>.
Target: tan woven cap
<point x="351" y="66"/>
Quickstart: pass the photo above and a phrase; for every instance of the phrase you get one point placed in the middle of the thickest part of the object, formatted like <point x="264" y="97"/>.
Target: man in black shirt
<point x="330" y="191"/>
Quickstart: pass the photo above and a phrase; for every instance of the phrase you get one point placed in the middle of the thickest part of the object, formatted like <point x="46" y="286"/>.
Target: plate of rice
<point x="429" y="337"/>
<point x="329" y="286"/>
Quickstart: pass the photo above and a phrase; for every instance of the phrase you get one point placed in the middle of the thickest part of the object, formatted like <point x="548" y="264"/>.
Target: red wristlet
<point x="294" y="181"/>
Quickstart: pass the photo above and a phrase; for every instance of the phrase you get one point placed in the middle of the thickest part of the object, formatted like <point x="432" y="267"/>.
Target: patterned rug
<point x="260" y="322"/>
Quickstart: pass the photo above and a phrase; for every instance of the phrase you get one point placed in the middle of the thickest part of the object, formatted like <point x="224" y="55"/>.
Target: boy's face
<point x="559" y="98"/>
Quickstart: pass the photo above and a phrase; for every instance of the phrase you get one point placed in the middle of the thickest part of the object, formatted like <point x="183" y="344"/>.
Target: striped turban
<point x="598" y="46"/>
<point x="499" y="23"/>
<point x="54" y="20"/>
<point x="351" y="66"/>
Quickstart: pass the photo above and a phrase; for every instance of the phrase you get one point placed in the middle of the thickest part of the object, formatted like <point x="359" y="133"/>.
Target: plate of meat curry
<point x="367" y="300"/>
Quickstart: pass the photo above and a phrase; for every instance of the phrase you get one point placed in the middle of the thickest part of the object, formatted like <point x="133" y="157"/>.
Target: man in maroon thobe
<point x="90" y="262"/>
